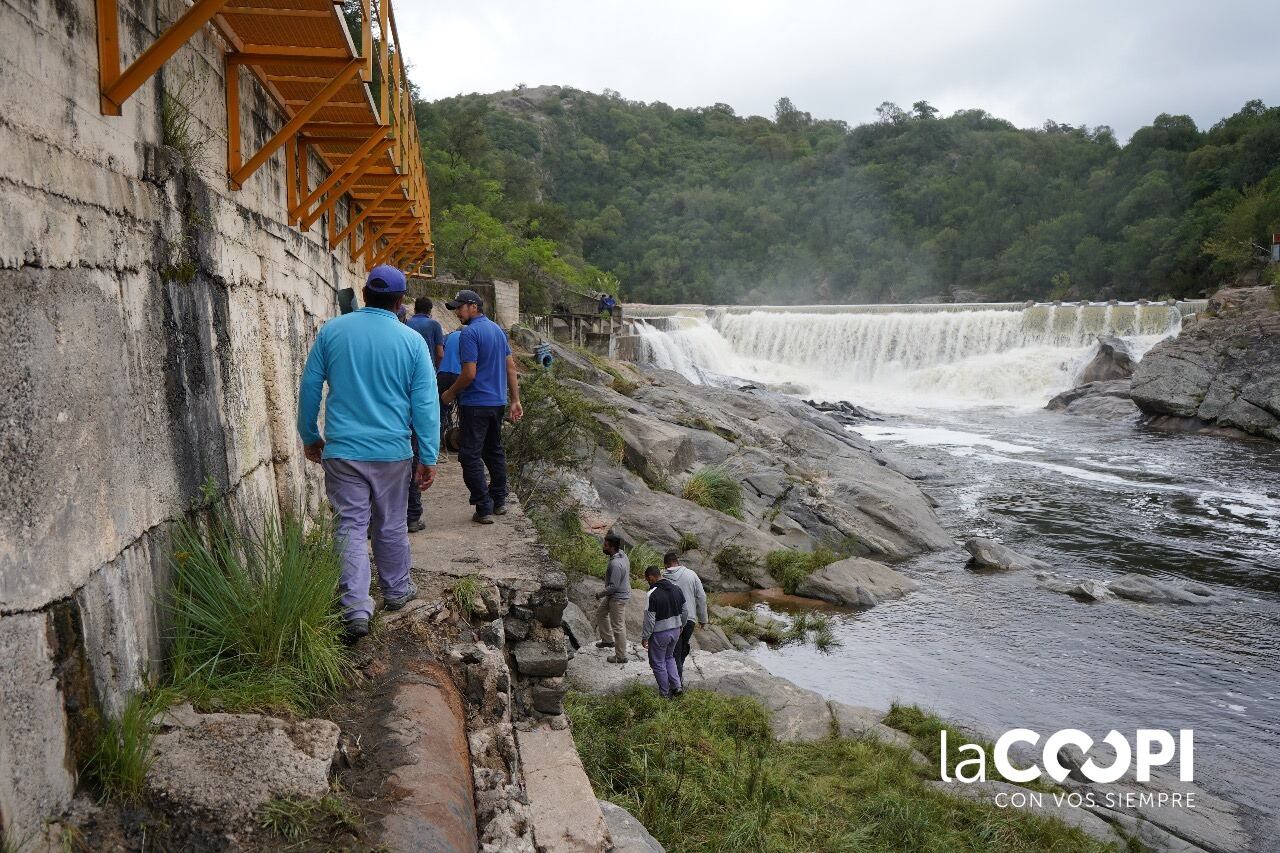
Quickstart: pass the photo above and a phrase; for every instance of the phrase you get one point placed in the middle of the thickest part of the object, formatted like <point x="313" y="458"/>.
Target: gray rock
<point x="628" y="834"/>
<point x="1082" y="819"/>
<point x="1220" y="370"/>
<point x="710" y="639"/>
<point x="1114" y="360"/>
<point x="1142" y="588"/>
<point x="1086" y="590"/>
<point x="1110" y="401"/>
<point x="548" y="695"/>
<point x="540" y="659"/>
<point x="855" y="582"/>
<point x="231" y="764"/>
<point x="578" y="625"/>
<point x="990" y="554"/>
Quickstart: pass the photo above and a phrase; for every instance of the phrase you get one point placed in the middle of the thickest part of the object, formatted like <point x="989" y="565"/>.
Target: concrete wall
<point x="127" y="383"/>
<point x="501" y="298"/>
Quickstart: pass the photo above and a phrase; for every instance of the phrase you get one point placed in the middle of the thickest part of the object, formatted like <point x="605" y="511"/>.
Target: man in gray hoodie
<point x="611" y="614"/>
<point x="695" y="603"/>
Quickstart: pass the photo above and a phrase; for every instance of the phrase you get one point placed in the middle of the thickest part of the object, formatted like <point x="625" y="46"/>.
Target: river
<point x="961" y="394"/>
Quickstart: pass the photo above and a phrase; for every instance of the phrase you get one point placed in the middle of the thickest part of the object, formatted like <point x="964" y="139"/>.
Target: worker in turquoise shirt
<point x="381" y="385"/>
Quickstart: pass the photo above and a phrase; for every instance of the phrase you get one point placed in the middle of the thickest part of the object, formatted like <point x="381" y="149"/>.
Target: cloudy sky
<point x="1075" y="61"/>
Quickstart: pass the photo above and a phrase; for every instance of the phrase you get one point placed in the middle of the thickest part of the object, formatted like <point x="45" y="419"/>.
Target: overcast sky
<point x="1074" y="61"/>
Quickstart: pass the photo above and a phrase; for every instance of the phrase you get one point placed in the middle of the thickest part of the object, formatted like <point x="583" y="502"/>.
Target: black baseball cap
<point x="464" y="297"/>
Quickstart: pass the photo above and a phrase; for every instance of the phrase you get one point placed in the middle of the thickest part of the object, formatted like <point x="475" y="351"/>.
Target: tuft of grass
<point x="295" y="820"/>
<point x="255" y="619"/>
<point x="738" y="562"/>
<point x="715" y="487"/>
<point x="745" y="626"/>
<point x="687" y="542"/>
<point x="705" y="774"/>
<point x="641" y="557"/>
<point x="575" y="550"/>
<point x="790" y="567"/>
<point x="468" y="594"/>
<point x="122" y="752"/>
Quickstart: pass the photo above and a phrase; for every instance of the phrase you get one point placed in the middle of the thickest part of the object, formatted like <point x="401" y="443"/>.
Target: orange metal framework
<point x="348" y="106"/>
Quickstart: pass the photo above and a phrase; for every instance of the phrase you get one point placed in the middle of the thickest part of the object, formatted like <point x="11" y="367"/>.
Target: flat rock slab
<point x="990" y="554"/>
<point x="540" y="659"/>
<point x="566" y="816"/>
<point x="855" y="582"/>
<point x="229" y="765"/>
<point x="629" y="834"/>
<point x="427" y="739"/>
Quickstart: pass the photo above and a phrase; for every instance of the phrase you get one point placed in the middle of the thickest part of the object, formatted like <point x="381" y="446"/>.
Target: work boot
<point x="415" y="526"/>
<point x="500" y="509"/>
<point x="482" y="518"/>
<point x="354" y="629"/>
<point x="395" y="602"/>
<point x="616" y="659"/>
<point x="601" y="644"/>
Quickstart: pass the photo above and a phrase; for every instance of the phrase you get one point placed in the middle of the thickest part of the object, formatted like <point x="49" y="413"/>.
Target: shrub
<point x="575" y="550"/>
<point x="715" y="487"/>
<point x="255" y="621"/>
<point x="122" y="753"/>
<point x="738" y="562"/>
<point x="688" y="542"/>
<point x="790" y="567"/>
<point x="705" y="774"/>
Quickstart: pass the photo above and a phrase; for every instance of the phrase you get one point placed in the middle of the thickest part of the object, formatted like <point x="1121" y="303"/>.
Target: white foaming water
<point x="926" y="358"/>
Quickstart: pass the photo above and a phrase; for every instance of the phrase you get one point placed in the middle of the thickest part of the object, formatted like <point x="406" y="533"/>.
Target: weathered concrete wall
<point x="506" y="303"/>
<point x="127" y="383"/>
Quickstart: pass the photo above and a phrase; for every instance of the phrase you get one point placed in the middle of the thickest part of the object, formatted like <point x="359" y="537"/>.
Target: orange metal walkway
<point x="348" y="104"/>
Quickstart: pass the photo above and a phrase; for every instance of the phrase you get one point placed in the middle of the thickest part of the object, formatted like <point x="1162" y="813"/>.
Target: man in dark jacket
<point x="663" y="621"/>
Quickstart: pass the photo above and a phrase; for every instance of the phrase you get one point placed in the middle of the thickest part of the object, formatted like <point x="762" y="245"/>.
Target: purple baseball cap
<point x="385" y="278"/>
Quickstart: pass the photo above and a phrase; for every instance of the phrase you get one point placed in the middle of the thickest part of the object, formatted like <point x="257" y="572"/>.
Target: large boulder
<point x="230" y="765"/>
<point x="628" y="834"/>
<point x="1114" y="360"/>
<point x="989" y="554"/>
<point x="855" y="582"/>
<point x="1221" y="370"/>
<point x="1108" y="401"/>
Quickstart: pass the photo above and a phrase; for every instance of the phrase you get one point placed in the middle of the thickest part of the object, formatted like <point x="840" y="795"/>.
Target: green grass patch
<point x="812" y="628"/>
<point x="687" y="542"/>
<point x="122" y="751"/>
<point x="745" y="626"/>
<point x="467" y="594"/>
<point x="255" y="618"/>
<point x="704" y="774"/>
<point x="715" y="487"/>
<point x="790" y="567"/>
<point x="738" y="562"/>
<point x="571" y="547"/>
<point x="295" y="820"/>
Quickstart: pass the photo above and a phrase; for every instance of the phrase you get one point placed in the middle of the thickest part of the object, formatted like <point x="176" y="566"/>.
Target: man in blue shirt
<point x="422" y="323"/>
<point x="447" y="374"/>
<point x="481" y="390"/>
<point x="381" y="387"/>
<point x="430" y="329"/>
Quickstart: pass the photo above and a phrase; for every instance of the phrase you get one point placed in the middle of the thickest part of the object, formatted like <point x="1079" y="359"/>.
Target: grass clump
<point x="790" y="567"/>
<point x="705" y="774"/>
<point x="769" y="632"/>
<point x="294" y="820"/>
<point x="738" y="562"/>
<point x="255" y="619"/>
<point x="812" y="628"/>
<point x="122" y="752"/>
<point x="687" y="542"/>
<point x="715" y="487"/>
<point x="468" y="594"/>
<point x="575" y="550"/>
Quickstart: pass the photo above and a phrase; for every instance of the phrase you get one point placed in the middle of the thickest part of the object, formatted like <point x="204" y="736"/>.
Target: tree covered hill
<point x="703" y="205"/>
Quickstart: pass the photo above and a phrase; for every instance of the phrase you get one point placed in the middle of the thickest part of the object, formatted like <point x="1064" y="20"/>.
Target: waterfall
<point x="996" y="353"/>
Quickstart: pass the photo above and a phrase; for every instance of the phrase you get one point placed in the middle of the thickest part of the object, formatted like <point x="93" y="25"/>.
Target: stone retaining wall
<point x="154" y="331"/>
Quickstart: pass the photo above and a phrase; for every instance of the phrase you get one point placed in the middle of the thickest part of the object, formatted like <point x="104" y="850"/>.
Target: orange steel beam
<point x="337" y="173"/>
<point x="122" y="85"/>
<point x="397" y="219"/>
<point x="356" y="174"/>
<point x="294" y="124"/>
<point x="383" y="47"/>
<point x="387" y="249"/>
<point x="366" y="40"/>
<point x="368" y="209"/>
<point x="272" y="56"/>
<point x="108" y="52"/>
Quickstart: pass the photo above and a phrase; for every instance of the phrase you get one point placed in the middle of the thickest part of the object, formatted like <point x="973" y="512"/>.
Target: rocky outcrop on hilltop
<point x="1222" y="373"/>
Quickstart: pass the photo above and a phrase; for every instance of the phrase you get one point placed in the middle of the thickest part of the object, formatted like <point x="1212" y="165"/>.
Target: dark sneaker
<point x="616" y="659"/>
<point x="395" y="602"/>
<point x="415" y="526"/>
<point x="354" y="629"/>
<point x="676" y="694"/>
<point x="601" y="644"/>
<point x="479" y="518"/>
<point x="500" y="509"/>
